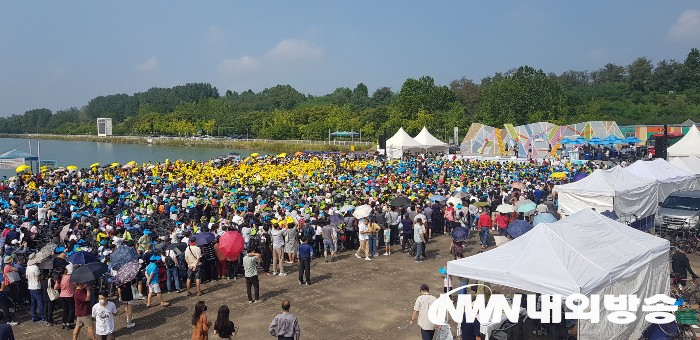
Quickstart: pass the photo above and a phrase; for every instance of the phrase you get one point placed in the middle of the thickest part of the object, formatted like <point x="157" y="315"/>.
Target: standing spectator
<point x="372" y="232"/>
<point x="250" y="269"/>
<point x="81" y="296"/>
<point x="363" y="228"/>
<point x="285" y="326"/>
<point x="502" y="223"/>
<point x="266" y="249"/>
<point x="5" y="304"/>
<point x="126" y="296"/>
<point x="484" y="225"/>
<point x="221" y="262"/>
<point x="208" y="262"/>
<point x="172" y="264"/>
<point x="419" y="239"/>
<point x="407" y="229"/>
<point x="393" y="218"/>
<point x="154" y="282"/>
<point x="66" y="296"/>
<point x="420" y="313"/>
<point x="350" y="231"/>
<point x="193" y="257"/>
<point x="224" y="327"/>
<point x="36" y="308"/>
<point x="103" y="312"/>
<point x="306" y="252"/>
<point x="291" y="245"/>
<point x="200" y="322"/>
<point x="318" y="238"/>
<point x="277" y="251"/>
<point x="328" y="242"/>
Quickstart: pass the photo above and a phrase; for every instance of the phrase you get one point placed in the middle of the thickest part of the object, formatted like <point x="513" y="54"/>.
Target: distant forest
<point x="639" y="93"/>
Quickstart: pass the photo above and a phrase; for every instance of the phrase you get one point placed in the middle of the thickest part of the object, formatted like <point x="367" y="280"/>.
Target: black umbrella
<point x="204" y="238"/>
<point x="47" y="264"/>
<point x="177" y="247"/>
<point x="400" y="201"/>
<point x="122" y="255"/>
<point x="460" y="234"/>
<point x="89" y="272"/>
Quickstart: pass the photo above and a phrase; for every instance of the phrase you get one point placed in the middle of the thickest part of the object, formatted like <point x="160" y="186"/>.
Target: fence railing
<point x="291" y="141"/>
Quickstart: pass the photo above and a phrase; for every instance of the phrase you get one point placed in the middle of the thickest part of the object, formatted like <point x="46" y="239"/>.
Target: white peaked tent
<point x="585" y="253"/>
<point x="615" y="189"/>
<point x="690" y="164"/>
<point x="689" y="145"/>
<point x="669" y="177"/>
<point x="401" y="142"/>
<point x="431" y="143"/>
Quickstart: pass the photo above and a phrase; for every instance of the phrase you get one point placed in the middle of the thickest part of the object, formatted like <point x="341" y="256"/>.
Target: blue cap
<point x="147" y="232"/>
<point x="443" y="271"/>
<point x="155" y="258"/>
<point x="59" y="249"/>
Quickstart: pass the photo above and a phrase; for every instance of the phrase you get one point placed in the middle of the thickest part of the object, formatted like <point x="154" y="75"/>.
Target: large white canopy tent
<point x="690" y="164"/>
<point x="430" y="143"/>
<point x="585" y="253"/>
<point x="615" y="189"/>
<point x="669" y="177"/>
<point x="689" y="145"/>
<point x="401" y="142"/>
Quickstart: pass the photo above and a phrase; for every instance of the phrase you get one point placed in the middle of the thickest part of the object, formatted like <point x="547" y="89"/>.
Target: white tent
<point x="669" y="177"/>
<point x="690" y="163"/>
<point x="431" y="143"/>
<point x="401" y="142"/>
<point x="615" y="189"/>
<point x="689" y="145"/>
<point x="585" y="253"/>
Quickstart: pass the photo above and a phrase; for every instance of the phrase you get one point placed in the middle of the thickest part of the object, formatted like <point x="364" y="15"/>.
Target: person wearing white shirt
<point x="363" y="229"/>
<point x="37" y="305"/>
<point x="104" y="312"/>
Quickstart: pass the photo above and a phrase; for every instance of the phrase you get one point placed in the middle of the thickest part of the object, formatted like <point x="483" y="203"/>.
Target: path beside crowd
<point x="348" y="299"/>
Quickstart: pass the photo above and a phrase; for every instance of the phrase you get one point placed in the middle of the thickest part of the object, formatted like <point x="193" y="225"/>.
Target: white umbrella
<point x="346" y="208"/>
<point x="362" y="211"/>
<point x="454" y="200"/>
<point x="505" y="208"/>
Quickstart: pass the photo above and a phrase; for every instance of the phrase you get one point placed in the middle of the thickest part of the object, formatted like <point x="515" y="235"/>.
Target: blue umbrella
<point x="122" y="255"/>
<point x="204" y="238"/>
<point x="629" y="140"/>
<point x="518" y="227"/>
<point x="460" y="234"/>
<point x="438" y="198"/>
<point x="527" y="207"/>
<point x="567" y="141"/>
<point x="544" y="218"/>
<point x="82" y="257"/>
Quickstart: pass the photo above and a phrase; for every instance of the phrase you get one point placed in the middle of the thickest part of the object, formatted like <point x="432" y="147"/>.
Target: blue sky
<point x="59" y="54"/>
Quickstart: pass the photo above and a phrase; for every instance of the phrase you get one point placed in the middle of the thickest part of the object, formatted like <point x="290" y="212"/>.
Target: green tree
<point x="690" y="74"/>
<point x="610" y="73"/>
<point x="640" y="74"/>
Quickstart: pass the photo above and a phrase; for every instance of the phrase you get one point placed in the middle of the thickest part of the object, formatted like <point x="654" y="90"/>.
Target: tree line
<point x="639" y="93"/>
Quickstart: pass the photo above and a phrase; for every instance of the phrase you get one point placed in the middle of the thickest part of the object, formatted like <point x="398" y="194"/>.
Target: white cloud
<point x="150" y="64"/>
<point x="242" y="64"/>
<point x="686" y="27"/>
<point x="215" y="34"/>
<point x="598" y="54"/>
<point x="294" y="49"/>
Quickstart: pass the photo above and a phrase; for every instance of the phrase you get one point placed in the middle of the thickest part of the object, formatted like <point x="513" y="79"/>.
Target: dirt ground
<point x="348" y="299"/>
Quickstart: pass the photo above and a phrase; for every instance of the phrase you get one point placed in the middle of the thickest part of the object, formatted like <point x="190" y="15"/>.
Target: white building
<point x="104" y="127"/>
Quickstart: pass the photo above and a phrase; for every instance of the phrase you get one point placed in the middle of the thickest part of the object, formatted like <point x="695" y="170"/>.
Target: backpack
<point x="169" y="262"/>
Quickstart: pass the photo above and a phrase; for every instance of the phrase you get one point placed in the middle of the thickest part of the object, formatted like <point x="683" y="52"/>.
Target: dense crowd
<point x="79" y="237"/>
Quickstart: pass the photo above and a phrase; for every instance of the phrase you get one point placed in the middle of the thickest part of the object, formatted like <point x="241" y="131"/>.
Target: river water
<point x="82" y="154"/>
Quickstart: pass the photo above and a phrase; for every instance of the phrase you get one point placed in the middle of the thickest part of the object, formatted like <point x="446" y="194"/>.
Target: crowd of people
<point x="160" y="227"/>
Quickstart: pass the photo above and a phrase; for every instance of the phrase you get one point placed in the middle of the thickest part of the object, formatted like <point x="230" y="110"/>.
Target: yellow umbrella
<point x="254" y="154"/>
<point x="558" y="175"/>
<point x="72" y="168"/>
<point x="115" y="164"/>
<point x="94" y="165"/>
<point x="23" y="168"/>
<point x="282" y="155"/>
<point x="44" y="168"/>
